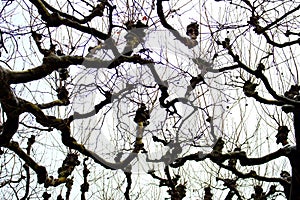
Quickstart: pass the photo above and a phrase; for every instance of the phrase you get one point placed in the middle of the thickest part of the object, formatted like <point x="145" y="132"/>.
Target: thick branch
<point x="52" y="104"/>
<point x="10" y="106"/>
<point x="129" y="182"/>
<point x="280" y="19"/>
<point x="253" y="174"/>
<point x="54" y="62"/>
<point x="97" y="11"/>
<point x="40" y="170"/>
<point x="163" y="21"/>
<point x="240" y="155"/>
<point x="50" y="64"/>
<point x="55" y="20"/>
<point x="261" y="76"/>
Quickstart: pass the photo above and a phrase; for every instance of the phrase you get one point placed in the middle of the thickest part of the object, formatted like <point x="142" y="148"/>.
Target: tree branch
<point x="39" y="170"/>
<point x="129" y="182"/>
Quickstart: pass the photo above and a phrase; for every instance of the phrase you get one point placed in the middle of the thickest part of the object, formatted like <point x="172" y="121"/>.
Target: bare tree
<point x="149" y="99"/>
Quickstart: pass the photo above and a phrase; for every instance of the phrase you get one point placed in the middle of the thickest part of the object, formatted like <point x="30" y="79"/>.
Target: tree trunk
<point x="295" y="161"/>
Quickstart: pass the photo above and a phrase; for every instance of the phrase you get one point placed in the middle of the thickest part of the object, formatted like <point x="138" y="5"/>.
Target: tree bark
<point x="295" y="161"/>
